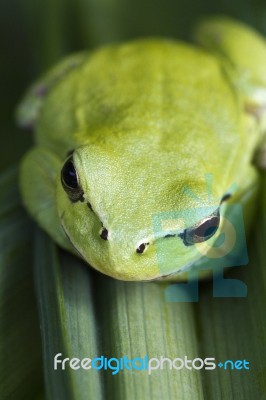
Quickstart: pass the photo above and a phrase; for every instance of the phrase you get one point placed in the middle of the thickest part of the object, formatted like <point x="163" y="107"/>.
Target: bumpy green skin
<point x="146" y="119"/>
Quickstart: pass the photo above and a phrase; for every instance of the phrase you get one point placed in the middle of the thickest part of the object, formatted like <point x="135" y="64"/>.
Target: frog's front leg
<point x="39" y="171"/>
<point x="29" y="108"/>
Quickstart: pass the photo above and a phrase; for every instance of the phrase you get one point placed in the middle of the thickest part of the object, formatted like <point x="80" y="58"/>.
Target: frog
<point x="128" y="132"/>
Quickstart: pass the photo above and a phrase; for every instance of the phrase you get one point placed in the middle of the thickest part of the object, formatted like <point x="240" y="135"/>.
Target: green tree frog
<point x="126" y="132"/>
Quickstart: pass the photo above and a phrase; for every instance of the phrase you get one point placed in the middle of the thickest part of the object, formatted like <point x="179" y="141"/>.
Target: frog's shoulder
<point x="29" y="108"/>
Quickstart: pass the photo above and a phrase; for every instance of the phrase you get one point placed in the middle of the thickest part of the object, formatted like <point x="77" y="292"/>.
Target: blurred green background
<point x="34" y="34"/>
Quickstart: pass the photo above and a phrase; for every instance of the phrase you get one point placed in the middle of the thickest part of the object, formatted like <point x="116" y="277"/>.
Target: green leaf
<point x="136" y="320"/>
<point x="235" y="328"/>
<point x="67" y="321"/>
<point x="20" y="350"/>
<point x="112" y="319"/>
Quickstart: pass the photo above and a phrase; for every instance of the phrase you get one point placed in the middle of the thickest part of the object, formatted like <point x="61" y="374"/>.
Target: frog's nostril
<point x="142" y="247"/>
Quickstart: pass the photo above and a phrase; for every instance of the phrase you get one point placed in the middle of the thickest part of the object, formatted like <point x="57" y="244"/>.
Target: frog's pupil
<point x="201" y="232"/>
<point x="208" y="228"/>
<point x="69" y="175"/>
<point x="70" y="182"/>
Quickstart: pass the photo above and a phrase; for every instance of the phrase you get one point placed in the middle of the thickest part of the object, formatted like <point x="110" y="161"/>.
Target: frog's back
<point x="153" y="94"/>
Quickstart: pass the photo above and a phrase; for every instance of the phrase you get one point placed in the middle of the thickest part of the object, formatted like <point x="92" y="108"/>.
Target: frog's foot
<point x="38" y="173"/>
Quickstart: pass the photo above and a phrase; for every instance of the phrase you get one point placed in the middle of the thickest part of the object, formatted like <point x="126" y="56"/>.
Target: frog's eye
<point x="70" y="181"/>
<point x="202" y="231"/>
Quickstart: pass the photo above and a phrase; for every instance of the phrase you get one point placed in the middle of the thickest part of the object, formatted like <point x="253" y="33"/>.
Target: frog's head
<point x="122" y="224"/>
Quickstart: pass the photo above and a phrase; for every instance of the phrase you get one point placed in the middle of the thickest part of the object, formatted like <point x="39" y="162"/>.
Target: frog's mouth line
<point x="200" y="232"/>
<point x="67" y="235"/>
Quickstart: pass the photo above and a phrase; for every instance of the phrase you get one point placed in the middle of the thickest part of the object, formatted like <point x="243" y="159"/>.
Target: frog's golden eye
<point x="202" y="231"/>
<point x="70" y="181"/>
